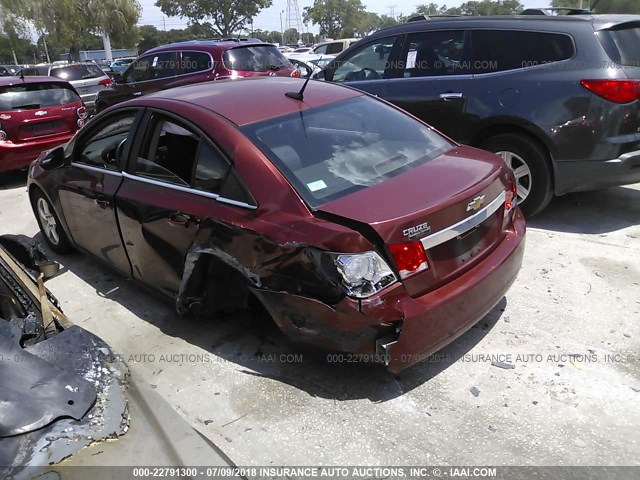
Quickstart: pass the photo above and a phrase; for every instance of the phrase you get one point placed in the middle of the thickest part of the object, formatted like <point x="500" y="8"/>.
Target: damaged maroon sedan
<point x="357" y="227"/>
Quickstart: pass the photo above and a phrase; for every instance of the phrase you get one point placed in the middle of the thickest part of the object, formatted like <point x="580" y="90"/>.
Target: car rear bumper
<point x="426" y="323"/>
<point x="578" y="176"/>
<point x="14" y="156"/>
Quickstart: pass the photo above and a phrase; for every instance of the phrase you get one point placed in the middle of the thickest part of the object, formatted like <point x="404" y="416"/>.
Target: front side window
<point x="322" y="49"/>
<point x="30" y="96"/>
<point x="369" y="62"/>
<point x="104" y="148"/>
<point x="434" y="53"/>
<point x="152" y="67"/>
<point x="500" y="50"/>
<point x="329" y="152"/>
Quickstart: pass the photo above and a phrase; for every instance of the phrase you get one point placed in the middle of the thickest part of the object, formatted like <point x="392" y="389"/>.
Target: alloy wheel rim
<point x="48" y="221"/>
<point x="521" y="171"/>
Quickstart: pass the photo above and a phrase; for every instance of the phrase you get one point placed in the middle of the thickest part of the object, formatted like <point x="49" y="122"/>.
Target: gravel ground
<point x="568" y="333"/>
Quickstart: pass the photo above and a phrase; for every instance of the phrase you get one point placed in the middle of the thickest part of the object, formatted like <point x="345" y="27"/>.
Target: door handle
<point x="103" y="203"/>
<point x="180" y="219"/>
<point x="450" y="96"/>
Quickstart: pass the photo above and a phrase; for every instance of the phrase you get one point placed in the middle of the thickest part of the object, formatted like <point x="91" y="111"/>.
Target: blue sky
<point x="269" y="19"/>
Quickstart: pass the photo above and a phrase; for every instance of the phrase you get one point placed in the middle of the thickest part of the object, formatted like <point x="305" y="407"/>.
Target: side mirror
<point x="55" y="159"/>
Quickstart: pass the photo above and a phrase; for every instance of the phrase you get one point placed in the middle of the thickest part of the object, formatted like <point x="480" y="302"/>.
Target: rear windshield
<point x="77" y="72"/>
<point x="329" y="152"/>
<point x="254" y="58"/>
<point x="622" y="45"/>
<point x="35" y="95"/>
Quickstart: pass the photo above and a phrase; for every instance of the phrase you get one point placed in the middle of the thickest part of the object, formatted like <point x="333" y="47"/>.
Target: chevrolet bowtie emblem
<point x="476" y="203"/>
<point x="40" y="113"/>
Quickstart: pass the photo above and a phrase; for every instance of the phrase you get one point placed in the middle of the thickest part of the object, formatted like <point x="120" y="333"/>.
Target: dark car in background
<point x="184" y="63"/>
<point x="346" y="218"/>
<point x="9" y="70"/>
<point x="87" y="78"/>
<point x="556" y="96"/>
<point x="36" y="114"/>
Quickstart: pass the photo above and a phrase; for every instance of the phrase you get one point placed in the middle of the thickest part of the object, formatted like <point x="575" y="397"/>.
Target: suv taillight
<point x="511" y="196"/>
<point x="410" y="257"/>
<point x="106" y="82"/>
<point x="295" y="73"/>
<point x="617" y="91"/>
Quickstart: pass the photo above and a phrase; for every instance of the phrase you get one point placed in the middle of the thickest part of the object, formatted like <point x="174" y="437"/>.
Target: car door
<point x="91" y="182"/>
<point x="435" y="81"/>
<point x="175" y="180"/>
<point x="368" y="67"/>
<point x="147" y="74"/>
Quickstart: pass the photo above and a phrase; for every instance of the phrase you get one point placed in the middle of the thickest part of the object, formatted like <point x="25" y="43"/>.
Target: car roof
<point x="9" y="81"/>
<point x="206" y="45"/>
<point x="520" y="21"/>
<point x="263" y="97"/>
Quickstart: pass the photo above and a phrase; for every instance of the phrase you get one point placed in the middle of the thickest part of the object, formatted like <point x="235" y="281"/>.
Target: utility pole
<point x="392" y="11"/>
<point x="164" y="24"/>
<point x="46" y="50"/>
<point x="15" y="60"/>
<point x="281" y="31"/>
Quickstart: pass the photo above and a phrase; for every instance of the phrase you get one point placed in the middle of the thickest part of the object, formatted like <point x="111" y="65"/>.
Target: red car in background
<point x="36" y="114"/>
<point x="194" y="61"/>
<point x="357" y="227"/>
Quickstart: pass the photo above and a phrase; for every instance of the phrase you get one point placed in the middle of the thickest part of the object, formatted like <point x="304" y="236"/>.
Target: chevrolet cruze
<point x="358" y="227"/>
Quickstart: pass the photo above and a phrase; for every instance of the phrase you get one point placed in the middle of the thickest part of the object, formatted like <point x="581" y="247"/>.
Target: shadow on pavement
<point x="9" y="180"/>
<point x="255" y="344"/>
<point x="602" y="211"/>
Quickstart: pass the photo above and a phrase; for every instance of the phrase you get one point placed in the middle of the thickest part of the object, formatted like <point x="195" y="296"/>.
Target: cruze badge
<point x="416" y="230"/>
<point x="272" y="74"/>
<point x="476" y="203"/>
<point x="40" y="113"/>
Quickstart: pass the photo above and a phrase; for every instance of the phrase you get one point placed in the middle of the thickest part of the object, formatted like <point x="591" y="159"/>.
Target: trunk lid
<point x="463" y="188"/>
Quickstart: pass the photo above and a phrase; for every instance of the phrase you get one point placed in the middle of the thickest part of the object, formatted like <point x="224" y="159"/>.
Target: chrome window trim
<point x="96" y="169"/>
<point x="185" y="189"/>
<point x="465" y="225"/>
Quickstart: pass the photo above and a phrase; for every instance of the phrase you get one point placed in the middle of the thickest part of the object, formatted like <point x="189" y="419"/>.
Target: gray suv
<point x="556" y="96"/>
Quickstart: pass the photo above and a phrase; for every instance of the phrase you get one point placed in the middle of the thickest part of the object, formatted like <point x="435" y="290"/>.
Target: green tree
<point x="227" y="16"/>
<point x="430" y="9"/>
<point x="488" y="7"/>
<point x="603" y="6"/>
<point x="291" y="36"/>
<point x="366" y="23"/>
<point x="334" y="17"/>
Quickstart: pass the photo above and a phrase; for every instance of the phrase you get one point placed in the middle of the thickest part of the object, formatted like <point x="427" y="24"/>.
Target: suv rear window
<point x="35" y="95"/>
<point x="499" y="50"/>
<point x="77" y="72"/>
<point x="254" y="58"/>
<point x="329" y="152"/>
<point x="622" y="44"/>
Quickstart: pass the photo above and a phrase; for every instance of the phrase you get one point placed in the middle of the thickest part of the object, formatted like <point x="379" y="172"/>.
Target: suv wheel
<point x="49" y="224"/>
<point x="530" y="165"/>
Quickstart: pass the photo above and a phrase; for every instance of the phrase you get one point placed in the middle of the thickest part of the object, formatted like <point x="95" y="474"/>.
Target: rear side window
<point x="334" y="48"/>
<point x="622" y="45"/>
<point x="500" y="50"/>
<point x="35" y="95"/>
<point x="77" y="72"/>
<point x="254" y="58"/>
<point x="193" y="62"/>
<point x="435" y="53"/>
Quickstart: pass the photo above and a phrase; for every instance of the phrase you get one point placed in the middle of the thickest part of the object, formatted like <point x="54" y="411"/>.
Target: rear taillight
<point x="3" y="135"/>
<point x="617" y="91"/>
<point x="410" y="257"/>
<point x="295" y="73"/>
<point x="106" y="82"/>
<point x="82" y="112"/>
<point x="511" y="196"/>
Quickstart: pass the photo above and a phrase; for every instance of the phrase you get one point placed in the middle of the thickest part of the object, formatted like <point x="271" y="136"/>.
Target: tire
<point x="49" y="224"/>
<point x="530" y="164"/>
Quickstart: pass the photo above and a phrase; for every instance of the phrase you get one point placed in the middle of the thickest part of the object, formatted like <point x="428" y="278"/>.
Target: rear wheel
<point x="49" y="224"/>
<point x="530" y="165"/>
